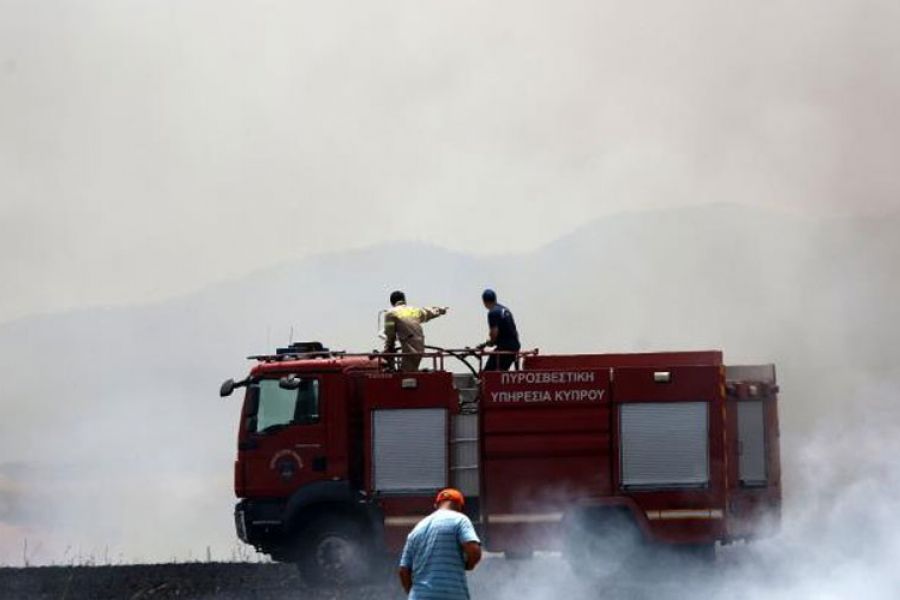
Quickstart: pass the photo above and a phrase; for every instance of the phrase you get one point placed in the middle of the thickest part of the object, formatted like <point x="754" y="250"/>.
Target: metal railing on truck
<point x="389" y="362"/>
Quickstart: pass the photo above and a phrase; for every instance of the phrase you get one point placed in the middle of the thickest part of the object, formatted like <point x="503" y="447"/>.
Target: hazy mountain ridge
<point x="815" y="296"/>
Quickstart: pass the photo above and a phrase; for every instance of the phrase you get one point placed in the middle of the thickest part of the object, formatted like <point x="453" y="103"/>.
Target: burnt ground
<point x="266" y="581"/>
<point x="544" y="578"/>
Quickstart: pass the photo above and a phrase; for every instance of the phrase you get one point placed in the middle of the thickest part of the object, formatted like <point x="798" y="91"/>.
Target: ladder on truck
<point x="464" y="471"/>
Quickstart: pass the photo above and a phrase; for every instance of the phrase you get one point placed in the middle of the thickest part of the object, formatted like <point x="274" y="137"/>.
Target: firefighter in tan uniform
<point x="403" y="323"/>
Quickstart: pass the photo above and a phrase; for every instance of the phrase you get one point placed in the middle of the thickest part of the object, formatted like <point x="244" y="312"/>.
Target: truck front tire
<point x="334" y="551"/>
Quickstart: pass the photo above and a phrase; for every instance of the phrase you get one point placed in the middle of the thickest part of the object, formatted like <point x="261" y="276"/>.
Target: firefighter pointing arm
<point x="403" y="323"/>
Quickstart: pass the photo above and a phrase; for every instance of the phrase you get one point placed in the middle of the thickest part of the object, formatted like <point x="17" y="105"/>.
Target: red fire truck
<point x="339" y="455"/>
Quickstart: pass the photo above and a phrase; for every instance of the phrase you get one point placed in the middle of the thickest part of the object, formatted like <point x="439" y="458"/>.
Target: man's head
<point x="450" y="498"/>
<point x="397" y="297"/>
<point x="489" y="297"/>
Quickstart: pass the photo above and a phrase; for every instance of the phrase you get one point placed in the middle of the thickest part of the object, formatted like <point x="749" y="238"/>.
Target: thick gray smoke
<point x="122" y="451"/>
<point x="159" y="145"/>
<point x="840" y="536"/>
<point x="148" y="149"/>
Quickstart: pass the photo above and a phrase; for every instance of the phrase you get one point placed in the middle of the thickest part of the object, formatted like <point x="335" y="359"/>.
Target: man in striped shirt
<point x="439" y="551"/>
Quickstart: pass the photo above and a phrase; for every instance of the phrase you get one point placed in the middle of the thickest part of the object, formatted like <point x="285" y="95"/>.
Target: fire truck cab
<point x="339" y="456"/>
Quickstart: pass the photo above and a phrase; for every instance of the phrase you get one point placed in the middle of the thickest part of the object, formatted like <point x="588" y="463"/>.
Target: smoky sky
<point x="148" y="148"/>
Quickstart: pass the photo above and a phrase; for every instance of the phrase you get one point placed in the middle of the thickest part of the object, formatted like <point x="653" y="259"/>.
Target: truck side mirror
<point x="229" y="385"/>
<point x="289" y="382"/>
<point x="227" y="388"/>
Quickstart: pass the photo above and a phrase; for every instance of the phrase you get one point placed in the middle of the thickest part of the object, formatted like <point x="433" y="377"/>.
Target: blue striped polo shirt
<point x="433" y="553"/>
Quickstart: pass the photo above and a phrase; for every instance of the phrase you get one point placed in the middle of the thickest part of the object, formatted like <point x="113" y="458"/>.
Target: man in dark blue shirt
<point x="502" y="333"/>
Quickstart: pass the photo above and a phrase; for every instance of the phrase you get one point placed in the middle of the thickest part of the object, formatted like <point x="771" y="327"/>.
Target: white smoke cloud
<point x="123" y="449"/>
<point x="159" y="146"/>
<point x="839" y="538"/>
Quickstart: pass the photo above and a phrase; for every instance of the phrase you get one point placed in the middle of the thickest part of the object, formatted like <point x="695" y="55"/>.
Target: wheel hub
<point x="335" y="556"/>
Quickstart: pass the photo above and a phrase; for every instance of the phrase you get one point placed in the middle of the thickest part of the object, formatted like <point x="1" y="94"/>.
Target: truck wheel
<point x="334" y="551"/>
<point x="689" y="555"/>
<point x="700" y="553"/>
<point x="601" y="543"/>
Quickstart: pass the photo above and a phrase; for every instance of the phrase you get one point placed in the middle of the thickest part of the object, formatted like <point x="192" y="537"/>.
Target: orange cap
<point x="451" y="494"/>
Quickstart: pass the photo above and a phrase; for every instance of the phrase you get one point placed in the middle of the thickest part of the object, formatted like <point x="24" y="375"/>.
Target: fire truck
<point x="339" y="455"/>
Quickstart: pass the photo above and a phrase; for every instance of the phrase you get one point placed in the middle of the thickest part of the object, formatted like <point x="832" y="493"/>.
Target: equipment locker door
<point x="545" y="444"/>
<point x="670" y="459"/>
<point x="755" y="471"/>
<point x="407" y="450"/>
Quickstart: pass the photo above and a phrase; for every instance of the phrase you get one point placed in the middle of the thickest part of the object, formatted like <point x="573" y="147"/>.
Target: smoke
<point x="159" y="146"/>
<point x="150" y="148"/>
<point x="839" y="538"/>
<point x="126" y="426"/>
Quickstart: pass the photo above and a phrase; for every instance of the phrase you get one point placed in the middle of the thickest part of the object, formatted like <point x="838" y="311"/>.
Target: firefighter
<point x="439" y="550"/>
<point x="403" y="323"/>
<point x="502" y="333"/>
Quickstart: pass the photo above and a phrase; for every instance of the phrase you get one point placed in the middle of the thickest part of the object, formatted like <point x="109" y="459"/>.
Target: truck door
<point x="755" y="477"/>
<point x="284" y="435"/>
<point x="545" y="447"/>
<point x="407" y="425"/>
<point x="670" y="448"/>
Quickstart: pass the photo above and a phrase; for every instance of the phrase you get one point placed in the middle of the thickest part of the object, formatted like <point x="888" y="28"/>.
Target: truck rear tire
<point x="602" y="543"/>
<point x="335" y="551"/>
<point x="688" y="555"/>
<point x="700" y="553"/>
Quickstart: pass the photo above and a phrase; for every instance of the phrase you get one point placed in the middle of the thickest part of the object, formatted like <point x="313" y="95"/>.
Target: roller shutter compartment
<point x="664" y="444"/>
<point x="409" y="449"/>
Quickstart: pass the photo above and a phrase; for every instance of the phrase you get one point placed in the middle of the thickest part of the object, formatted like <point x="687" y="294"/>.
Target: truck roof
<point x="703" y="358"/>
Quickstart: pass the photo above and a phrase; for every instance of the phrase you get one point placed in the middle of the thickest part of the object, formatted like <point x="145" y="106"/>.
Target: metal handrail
<point x="435" y="354"/>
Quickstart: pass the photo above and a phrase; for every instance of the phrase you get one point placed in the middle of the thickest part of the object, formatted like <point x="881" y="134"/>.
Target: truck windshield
<point x="279" y="407"/>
